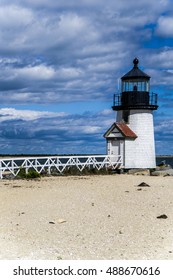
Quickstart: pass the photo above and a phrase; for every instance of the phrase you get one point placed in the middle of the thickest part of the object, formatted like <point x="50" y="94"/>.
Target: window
<point x="126" y="114"/>
<point x="135" y="85"/>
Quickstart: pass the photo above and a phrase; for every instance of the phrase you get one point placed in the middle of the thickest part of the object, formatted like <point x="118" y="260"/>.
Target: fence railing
<point x="12" y="166"/>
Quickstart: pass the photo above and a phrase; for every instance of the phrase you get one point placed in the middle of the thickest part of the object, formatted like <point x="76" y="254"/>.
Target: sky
<point x="61" y="63"/>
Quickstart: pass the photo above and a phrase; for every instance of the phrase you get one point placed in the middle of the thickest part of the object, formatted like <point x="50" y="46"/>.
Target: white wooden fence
<point x="12" y="166"/>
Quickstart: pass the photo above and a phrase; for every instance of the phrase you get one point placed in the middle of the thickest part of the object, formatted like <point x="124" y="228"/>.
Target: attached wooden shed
<point x="116" y="136"/>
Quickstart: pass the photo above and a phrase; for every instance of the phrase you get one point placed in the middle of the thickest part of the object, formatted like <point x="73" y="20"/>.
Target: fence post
<point x="49" y="167"/>
<point x="1" y="169"/>
<point x="26" y="167"/>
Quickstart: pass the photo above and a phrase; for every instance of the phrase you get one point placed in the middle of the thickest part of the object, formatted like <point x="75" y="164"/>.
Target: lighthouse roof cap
<point x="135" y="72"/>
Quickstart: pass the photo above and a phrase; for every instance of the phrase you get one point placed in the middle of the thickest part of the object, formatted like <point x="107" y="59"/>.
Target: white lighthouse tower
<point x="132" y="135"/>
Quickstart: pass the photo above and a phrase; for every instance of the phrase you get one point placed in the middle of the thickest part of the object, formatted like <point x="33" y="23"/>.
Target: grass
<point x="69" y="171"/>
<point x="31" y="174"/>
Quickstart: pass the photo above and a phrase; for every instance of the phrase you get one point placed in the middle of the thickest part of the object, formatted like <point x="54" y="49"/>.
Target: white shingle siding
<point x="140" y="153"/>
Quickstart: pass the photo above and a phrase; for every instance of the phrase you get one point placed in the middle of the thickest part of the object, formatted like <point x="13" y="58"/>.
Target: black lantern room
<point x="135" y="91"/>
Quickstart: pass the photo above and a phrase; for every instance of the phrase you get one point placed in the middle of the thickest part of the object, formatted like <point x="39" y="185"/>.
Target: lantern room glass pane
<point x="135" y="86"/>
<point x="147" y="86"/>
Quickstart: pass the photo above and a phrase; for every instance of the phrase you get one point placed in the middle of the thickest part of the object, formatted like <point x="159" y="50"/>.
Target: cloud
<point x="8" y="114"/>
<point x="15" y="17"/>
<point x="163" y="57"/>
<point x="164" y="136"/>
<point x="53" y="130"/>
<point x="77" y="46"/>
<point x="164" y="26"/>
<point x="38" y="72"/>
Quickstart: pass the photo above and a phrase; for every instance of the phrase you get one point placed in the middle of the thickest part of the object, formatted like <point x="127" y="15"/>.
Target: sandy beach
<point x="87" y="217"/>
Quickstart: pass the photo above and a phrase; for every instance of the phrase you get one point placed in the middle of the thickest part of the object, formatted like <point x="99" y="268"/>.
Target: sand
<point x="86" y="217"/>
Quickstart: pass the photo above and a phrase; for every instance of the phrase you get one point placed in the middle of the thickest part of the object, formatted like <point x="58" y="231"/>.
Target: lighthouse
<point x="132" y="134"/>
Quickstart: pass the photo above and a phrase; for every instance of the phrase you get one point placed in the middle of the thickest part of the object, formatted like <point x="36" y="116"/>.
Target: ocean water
<point x="168" y="160"/>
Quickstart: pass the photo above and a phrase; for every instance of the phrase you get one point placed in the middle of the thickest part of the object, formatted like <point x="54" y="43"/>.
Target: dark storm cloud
<point x="57" y="133"/>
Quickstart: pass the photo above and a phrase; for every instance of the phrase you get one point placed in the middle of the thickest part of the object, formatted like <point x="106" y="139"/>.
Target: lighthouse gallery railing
<point x="136" y="98"/>
<point x="57" y="163"/>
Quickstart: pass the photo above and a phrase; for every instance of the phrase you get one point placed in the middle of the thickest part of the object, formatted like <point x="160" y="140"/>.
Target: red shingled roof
<point x="125" y="130"/>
